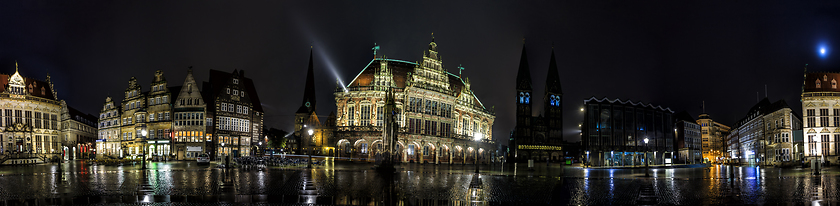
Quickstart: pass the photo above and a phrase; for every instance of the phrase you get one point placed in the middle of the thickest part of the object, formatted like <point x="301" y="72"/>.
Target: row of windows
<point x="233" y="124"/>
<point x="239" y="109"/>
<point x="236" y="92"/>
<point x="524" y="98"/>
<point x="158" y="100"/>
<point x="428" y="127"/>
<point x="430" y="107"/>
<point x="833" y="83"/>
<point x="189" y="136"/>
<point x="822" y="145"/>
<point x="190" y="101"/>
<point x="40" y="120"/>
<point x="157" y="88"/>
<point x="365" y="115"/>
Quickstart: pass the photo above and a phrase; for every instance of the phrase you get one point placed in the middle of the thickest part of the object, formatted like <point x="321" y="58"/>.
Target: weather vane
<point x="375" y="49"/>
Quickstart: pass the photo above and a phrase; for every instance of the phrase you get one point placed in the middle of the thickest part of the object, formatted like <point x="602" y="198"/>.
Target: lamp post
<point x="477" y="137"/>
<point x="143" y="159"/>
<point x="222" y="150"/>
<point x="309" y="139"/>
<point x="647" y="171"/>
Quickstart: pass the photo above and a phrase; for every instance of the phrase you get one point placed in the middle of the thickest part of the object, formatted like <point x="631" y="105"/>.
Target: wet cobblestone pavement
<point x="346" y="183"/>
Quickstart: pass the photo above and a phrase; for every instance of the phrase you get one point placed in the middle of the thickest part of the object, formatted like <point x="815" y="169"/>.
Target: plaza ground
<point x="356" y="183"/>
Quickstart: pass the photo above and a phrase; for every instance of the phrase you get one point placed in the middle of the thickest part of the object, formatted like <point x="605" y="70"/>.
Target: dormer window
<point x="818" y="84"/>
<point x="228" y="89"/>
<point x="235" y="92"/>
<point x="834" y="84"/>
<point x="825" y="77"/>
<point x="235" y="81"/>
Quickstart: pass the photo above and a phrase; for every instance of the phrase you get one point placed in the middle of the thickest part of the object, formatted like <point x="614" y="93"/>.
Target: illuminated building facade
<point x="614" y="132"/>
<point x="190" y="121"/>
<point x="79" y="132"/>
<point x="821" y="113"/>
<point x="176" y="123"/>
<point x="110" y="133"/>
<point x="764" y="135"/>
<point x="235" y="112"/>
<point x="538" y="137"/>
<point x="30" y="117"/>
<point x="146" y="123"/>
<point x="440" y="119"/>
<point x="713" y="139"/>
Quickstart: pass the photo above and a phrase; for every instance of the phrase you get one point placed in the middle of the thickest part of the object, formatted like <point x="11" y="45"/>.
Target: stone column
<point x="437" y="153"/>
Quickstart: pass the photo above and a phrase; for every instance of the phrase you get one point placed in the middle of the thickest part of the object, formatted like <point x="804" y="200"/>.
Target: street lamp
<point x="143" y="159"/>
<point x="310" y="148"/>
<point x="647" y="172"/>
<point x="478" y="137"/>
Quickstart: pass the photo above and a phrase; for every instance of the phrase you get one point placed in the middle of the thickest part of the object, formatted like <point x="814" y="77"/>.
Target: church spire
<point x="552" y="81"/>
<point x="308" y="104"/>
<point x="523" y="77"/>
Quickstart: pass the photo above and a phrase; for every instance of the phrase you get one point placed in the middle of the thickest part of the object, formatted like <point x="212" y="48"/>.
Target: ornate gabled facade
<point x="132" y="124"/>
<point x="30" y="117"/>
<point x="176" y="122"/>
<point x="159" y="118"/>
<point x="108" y="143"/>
<point x="190" y="133"/>
<point x="540" y="137"/>
<point x="237" y="116"/>
<point x="440" y="119"/>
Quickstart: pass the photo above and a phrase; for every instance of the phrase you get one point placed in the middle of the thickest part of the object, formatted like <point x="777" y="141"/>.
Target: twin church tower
<point x="538" y="137"/>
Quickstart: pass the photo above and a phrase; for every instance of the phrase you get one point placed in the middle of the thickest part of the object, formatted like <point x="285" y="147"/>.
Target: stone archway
<point x="343" y="148"/>
<point x="457" y="155"/>
<point x="445" y="154"/>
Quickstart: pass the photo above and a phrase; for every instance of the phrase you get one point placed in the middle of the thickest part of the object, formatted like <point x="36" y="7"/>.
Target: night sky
<point x="673" y="54"/>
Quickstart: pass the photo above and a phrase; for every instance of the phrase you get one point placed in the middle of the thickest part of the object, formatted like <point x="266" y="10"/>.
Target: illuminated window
<point x="833" y="84"/>
<point x="818" y="84"/>
<point x="527" y="98"/>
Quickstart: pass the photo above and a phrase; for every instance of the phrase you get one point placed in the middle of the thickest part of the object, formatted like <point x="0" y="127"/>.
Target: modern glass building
<point x="614" y="133"/>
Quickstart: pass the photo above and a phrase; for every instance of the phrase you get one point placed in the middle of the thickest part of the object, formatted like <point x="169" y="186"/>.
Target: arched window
<point x="527" y="98"/>
<point x="521" y="97"/>
<point x="818" y="84"/>
<point x="551" y="100"/>
<point x="833" y="84"/>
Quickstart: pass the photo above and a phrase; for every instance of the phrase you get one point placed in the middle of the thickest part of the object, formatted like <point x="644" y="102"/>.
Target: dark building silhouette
<point x="538" y="137"/>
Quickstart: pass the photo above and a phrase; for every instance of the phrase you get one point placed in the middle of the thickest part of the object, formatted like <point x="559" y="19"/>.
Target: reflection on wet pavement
<point x="345" y="183"/>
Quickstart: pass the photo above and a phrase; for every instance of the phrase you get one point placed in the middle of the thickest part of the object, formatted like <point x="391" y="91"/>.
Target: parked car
<point x="203" y="159"/>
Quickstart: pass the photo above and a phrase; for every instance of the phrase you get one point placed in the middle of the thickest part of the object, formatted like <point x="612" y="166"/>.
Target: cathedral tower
<point x="553" y="103"/>
<point x="523" y="102"/>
